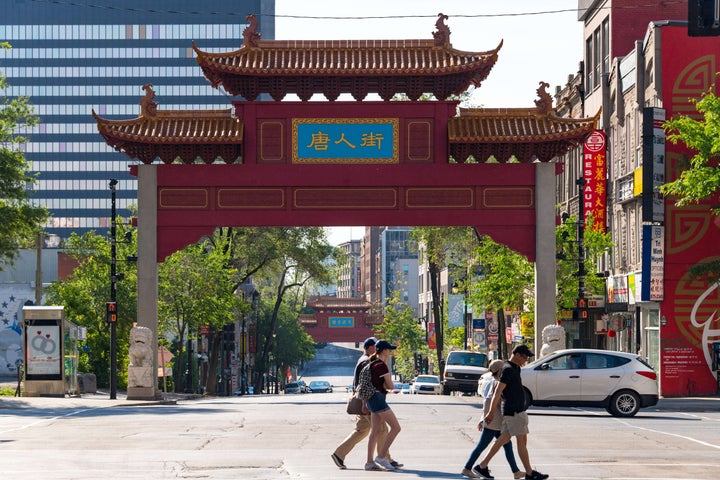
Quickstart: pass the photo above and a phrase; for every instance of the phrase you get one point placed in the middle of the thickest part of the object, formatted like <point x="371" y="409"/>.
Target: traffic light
<point x="703" y="18"/>
<point x="580" y="312"/>
<point x="111" y="312"/>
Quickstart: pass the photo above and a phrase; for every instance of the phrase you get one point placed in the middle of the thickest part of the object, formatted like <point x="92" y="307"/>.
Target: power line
<point x="364" y="17"/>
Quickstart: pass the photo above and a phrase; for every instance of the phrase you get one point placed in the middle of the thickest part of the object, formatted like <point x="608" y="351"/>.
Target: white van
<point x="463" y="370"/>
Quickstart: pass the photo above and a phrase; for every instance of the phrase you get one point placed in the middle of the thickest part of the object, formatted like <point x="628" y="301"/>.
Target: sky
<point x="542" y="41"/>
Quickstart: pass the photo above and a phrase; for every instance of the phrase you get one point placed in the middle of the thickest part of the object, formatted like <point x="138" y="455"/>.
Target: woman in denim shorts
<point x="380" y="412"/>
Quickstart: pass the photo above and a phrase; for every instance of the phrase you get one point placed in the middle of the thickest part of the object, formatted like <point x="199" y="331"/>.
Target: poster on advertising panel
<point x="44" y="350"/>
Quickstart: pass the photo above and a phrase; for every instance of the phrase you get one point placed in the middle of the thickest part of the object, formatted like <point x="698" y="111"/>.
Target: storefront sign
<point x="653" y="161"/>
<point x="653" y="261"/>
<point x="594" y="172"/>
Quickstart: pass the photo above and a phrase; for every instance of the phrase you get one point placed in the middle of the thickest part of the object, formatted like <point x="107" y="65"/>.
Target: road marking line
<point x="684" y="437"/>
<point x="23" y="427"/>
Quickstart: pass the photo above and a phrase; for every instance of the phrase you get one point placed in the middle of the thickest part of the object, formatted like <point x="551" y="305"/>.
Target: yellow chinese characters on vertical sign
<point x="594" y="168"/>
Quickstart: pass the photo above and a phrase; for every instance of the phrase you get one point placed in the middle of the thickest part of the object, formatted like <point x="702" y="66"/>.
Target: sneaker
<point x="396" y="464"/>
<point x="372" y="467"/>
<point x="469" y="473"/>
<point x="535" y="475"/>
<point x="484" y="472"/>
<point x="518" y="475"/>
<point x="338" y="461"/>
<point x="384" y="463"/>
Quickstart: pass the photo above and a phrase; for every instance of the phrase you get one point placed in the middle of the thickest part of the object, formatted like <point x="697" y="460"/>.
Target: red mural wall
<point x="689" y="320"/>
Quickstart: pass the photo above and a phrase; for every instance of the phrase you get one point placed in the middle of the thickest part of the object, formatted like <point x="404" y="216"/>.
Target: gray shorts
<point x="516" y="424"/>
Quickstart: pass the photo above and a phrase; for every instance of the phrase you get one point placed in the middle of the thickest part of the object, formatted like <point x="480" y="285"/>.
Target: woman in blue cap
<point x="380" y="411"/>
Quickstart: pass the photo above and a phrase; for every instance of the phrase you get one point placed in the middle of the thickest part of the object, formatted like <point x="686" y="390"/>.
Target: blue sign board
<point x="478" y="324"/>
<point x="345" y="140"/>
<point x="340" y="322"/>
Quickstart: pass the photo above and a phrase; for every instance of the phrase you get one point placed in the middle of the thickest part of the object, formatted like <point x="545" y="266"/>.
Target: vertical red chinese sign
<point x="594" y="173"/>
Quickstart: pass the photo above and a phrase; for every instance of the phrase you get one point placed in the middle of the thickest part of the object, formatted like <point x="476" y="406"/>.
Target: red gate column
<point x="147" y="267"/>
<point x="545" y="274"/>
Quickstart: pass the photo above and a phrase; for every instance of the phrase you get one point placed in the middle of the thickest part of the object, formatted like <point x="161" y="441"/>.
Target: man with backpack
<point x="362" y="422"/>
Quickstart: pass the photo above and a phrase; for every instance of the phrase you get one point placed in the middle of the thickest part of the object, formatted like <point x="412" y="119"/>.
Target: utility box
<point x="44" y="351"/>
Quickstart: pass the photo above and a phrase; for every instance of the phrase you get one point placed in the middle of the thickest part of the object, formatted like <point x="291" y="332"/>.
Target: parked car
<point x="463" y="369"/>
<point x="405" y="389"/>
<point x="427" y="384"/>
<point x="397" y="386"/>
<point x="622" y="383"/>
<point x="320" y="386"/>
<point x="296" y="387"/>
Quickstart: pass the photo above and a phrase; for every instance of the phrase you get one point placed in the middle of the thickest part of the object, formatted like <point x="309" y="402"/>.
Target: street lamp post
<point x="581" y="307"/>
<point x="188" y="371"/>
<point x="113" y="291"/>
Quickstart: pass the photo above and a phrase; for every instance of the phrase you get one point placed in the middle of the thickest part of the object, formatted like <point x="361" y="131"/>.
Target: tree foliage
<point x="20" y="220"/>
<point x="193" y="290"/>
<point x="399" y="327"/>
<point x="300" y="255"/>
<point x="699" y="179"/>
<point x="84" y="294"/>
<point x="507" y="282"/>
<point x="596" y="243"/>
<point x="439" y="243"/>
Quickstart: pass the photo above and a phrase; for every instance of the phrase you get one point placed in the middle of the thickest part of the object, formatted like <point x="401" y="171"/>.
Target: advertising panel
<point x="690" y="307"/>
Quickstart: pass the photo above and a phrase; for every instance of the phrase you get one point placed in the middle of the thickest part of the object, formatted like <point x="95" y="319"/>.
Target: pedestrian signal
<point x="111" y="312"/>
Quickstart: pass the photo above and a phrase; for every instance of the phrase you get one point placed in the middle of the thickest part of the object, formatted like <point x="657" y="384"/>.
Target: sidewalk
<point x="101" y="399"/>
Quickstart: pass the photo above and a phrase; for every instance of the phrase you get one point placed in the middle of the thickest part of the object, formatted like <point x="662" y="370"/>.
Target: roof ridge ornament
<point x="148" y="108"/>
<point x="442" y="35"/>
<point x="251" y="37"/>
<point x="544" y="101"/>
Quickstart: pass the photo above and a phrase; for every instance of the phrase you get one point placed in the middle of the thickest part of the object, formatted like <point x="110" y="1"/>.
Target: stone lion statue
<point x="553" y="338"/>
<point x="140" y="347"/>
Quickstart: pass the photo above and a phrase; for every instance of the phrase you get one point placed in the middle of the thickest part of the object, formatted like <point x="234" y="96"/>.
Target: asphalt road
<point x="292" y="436"/>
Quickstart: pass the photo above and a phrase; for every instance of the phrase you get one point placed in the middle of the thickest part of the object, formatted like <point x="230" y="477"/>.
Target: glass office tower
<point x="71" y="57"/>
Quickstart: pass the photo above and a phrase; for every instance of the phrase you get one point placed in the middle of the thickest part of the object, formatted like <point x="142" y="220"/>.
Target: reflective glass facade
<point x="73" y="57"/>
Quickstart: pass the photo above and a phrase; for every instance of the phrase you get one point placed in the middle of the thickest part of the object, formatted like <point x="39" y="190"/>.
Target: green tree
<point x="596" y="243"/>
<point x="20" y="220"/>
<point x="290" y="344"/>
<point x="438" y="242"/>
<point x="84" y="293"/>
<point x="507" y="283"/>
<point x="699" y="179"/>
<point x="400" y="327"/>
<point x="193" y="291"/>
<point x="300" y="255"/>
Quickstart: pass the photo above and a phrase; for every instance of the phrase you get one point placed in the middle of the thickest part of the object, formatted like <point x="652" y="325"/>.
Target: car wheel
<point x="624" y="403"/>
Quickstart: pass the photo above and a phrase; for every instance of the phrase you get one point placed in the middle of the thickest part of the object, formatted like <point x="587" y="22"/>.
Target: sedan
<point x="319" y="386"/>
<point x="622" y="383"/>
<point x="295" y="387"/>
<point x="427" y="384"/>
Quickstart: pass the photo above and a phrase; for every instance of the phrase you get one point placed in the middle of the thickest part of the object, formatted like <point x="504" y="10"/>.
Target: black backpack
<point x="365" y="388"/>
